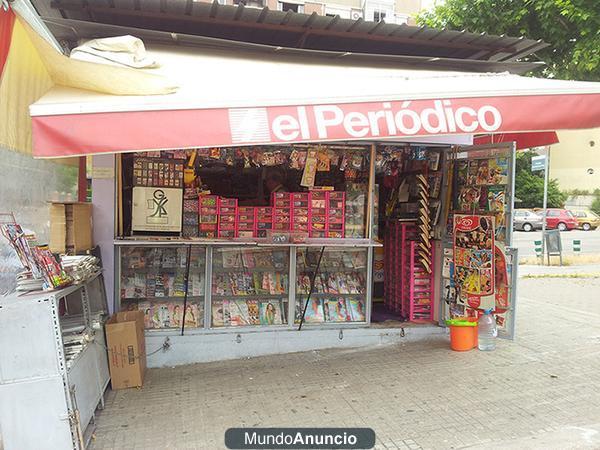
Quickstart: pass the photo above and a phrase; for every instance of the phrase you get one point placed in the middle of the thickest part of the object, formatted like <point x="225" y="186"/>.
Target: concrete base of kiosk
<point x="218" y="346"/>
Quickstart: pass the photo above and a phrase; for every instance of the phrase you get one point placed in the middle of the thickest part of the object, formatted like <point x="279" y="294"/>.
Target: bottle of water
<point x="486" y="331"/>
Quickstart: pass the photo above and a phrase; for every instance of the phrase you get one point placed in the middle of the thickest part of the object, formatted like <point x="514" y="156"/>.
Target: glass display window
<point x="153" y="279"/>
<point x="340" y="287"/>
<point x="250" y="286"/>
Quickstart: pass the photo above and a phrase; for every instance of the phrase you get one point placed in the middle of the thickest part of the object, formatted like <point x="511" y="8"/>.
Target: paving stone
<point x="417" y="395"/>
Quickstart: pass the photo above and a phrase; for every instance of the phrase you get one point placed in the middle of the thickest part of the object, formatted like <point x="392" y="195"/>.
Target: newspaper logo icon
<point x="249" y="125"/>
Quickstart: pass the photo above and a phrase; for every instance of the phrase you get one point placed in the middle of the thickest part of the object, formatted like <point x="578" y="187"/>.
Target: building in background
<point x="575" y="160"/>
<point x="390" y="11"/>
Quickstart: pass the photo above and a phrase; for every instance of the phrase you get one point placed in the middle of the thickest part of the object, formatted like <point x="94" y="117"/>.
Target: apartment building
<point x="390" y="11"/>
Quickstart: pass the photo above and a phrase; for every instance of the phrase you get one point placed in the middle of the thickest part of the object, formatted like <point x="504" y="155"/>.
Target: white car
<point x="527" y="220"/>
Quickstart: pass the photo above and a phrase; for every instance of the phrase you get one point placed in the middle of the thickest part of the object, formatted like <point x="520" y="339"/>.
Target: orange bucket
<point x="463" y="334"/>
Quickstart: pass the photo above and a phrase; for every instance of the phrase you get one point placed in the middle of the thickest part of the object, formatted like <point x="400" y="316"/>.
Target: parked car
<point x="561" y="219"/>
<point x="527" y="220"/>
<point x="587" y="220"/>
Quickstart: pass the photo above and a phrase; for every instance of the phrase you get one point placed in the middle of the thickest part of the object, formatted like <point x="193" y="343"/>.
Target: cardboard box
<point x="126" y="349"/>
<point x="70" y="227"/>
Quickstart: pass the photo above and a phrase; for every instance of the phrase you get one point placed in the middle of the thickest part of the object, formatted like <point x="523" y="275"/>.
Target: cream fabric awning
<point x="232" y="98"/>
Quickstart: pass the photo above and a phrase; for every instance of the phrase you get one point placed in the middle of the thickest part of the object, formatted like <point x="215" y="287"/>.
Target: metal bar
<point x="263" y="15"/>
<point x="312" y="286"/>
<point x="377" y="26"/>
<point x="291" y="314"/>
<point x="369" y="290"/>
<point x="238" y="12"/>
<point x="545" y="205"/>
<point x="371" y="194"/>
<point x="335" y="19"/>
<point x="186" y="281"/>
<point x="208" y="287"/>
<point x="182" y="18"/>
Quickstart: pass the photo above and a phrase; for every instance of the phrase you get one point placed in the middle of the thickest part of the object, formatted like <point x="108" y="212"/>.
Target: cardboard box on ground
<point x="126" y="349"/>
<point x="70" y="227"/>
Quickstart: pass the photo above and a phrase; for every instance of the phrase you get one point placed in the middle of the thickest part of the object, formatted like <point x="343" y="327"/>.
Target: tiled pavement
<point x="540" y="391"/>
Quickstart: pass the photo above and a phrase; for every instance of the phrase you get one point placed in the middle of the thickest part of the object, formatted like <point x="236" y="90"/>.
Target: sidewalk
<point x="585" y="269"/>
<point x="540" y="391"/>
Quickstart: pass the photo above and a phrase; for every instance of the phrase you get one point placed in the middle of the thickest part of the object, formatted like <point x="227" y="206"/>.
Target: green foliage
<point x="571" y="27"/>
<point x="529" y="186"/>
<point x="596" y="205"/>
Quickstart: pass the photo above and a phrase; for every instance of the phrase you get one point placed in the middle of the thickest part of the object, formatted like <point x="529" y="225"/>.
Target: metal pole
<point x="545" y="204"/>
<point x="186" y="281"/>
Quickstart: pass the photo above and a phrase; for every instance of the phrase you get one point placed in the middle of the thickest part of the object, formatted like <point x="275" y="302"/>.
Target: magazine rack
<point x="53" y="365"/>
<point x="410" y="290"/>
<point x="420" y="287"/>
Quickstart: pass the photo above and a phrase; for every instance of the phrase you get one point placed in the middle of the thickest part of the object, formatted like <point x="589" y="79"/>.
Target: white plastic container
<point x="486" y="331"/>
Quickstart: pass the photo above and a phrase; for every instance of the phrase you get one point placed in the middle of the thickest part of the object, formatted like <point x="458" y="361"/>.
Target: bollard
<point x="576" y="245"/>
<point x="538" y="248"/>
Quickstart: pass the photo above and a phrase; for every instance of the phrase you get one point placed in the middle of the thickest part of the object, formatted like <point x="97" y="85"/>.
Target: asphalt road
<point x="590" y="241"/>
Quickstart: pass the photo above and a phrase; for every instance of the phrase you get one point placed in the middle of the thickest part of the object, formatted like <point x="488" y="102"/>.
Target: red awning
<point x="522" y="140"/>
<point x="224" y="100"/>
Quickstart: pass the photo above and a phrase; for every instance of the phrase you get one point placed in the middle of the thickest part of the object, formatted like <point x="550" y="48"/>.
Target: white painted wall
<point x="103" y="213"/>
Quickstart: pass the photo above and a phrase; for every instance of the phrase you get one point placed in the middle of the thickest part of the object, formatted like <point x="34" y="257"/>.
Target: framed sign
<point x="474" y="257"/>
<point x="156" y="209"/>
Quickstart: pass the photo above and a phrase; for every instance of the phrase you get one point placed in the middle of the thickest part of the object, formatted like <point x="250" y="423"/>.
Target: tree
<point x="571" y="27"/>
<point x="596" y="204"/>
<point x="529" y="186"/>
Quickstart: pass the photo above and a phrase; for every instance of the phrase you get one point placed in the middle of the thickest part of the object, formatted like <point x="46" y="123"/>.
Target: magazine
<point x="147" y="308"/>
<point x="270" y="313"/>
<point x="232" y="259"/>
<point x="253" y="312"/>
<point x="161" y="315"/>
<point x="193" y="315"/>
<point x="175" y="314"/>
<point x="248" y="259"/>
<point x="337" y="310"/>
<point x="315" y="311"/>
<point x="217" y="314"/>
<point x="196" y="288"/>
<point x="357" y="309"/>
<point x="238" y="312"/>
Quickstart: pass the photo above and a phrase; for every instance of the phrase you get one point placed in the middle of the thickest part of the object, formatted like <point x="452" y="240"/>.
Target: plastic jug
<point x="486" y="331"/>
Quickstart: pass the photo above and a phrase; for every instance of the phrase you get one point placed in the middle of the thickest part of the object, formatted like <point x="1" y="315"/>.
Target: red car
<point x="561" y="219"/>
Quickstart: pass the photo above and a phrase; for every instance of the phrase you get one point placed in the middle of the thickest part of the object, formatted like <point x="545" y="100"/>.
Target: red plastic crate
<point x="264" y="220"/>
<point x="300" y="211"/>
<point x="228" y="212"/>
<point x="208" y="216"/>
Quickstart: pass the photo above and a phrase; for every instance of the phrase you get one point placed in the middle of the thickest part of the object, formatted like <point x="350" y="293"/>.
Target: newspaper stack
<point x="80" y="268"/>
<point x="26" y="282"/>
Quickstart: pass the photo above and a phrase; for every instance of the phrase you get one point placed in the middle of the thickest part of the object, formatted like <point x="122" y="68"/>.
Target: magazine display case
<point x="249" y="286"/>
<point x="156" y="281"/>
<point x="244" y="284"/>
<point x="340" y="285"/>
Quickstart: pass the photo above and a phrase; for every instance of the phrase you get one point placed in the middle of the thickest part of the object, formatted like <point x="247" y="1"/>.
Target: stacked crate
<point x="209" y="213"/>
<point x="300" y="211"/>
<point x="264" y="221"/>
<point x="227" y="217"/>
<point x="409" y="286"/>
<point x="318" y="214"/>
<point x="282" y="211"/>
<point x="336" y="208"/>
<point x="190" y="227"/>
<point x="246" y="221"/>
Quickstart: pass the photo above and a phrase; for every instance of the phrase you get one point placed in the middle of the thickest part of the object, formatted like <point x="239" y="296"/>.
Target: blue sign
<point x="538" y="163"/>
